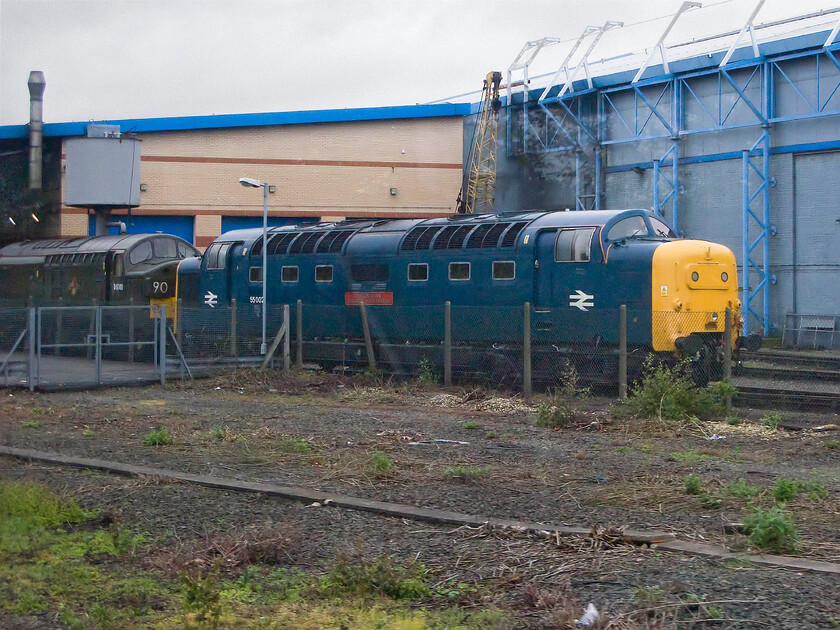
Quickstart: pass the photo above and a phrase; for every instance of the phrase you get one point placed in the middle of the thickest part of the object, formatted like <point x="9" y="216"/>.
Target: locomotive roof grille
<point x="325" y="243"/>
<point x="297" y="245"/>
<point x="281" y="243"/>
<point x="476" y="238"/>
<point x="509" y="239"/>
<point x="308" y="245"/>
<point x="457" y="239"/>
<point x="442" y="239"/>
<point x="337" y="244"/>
<point x="412" y="237"/>
<point x="425" y="240"/>
<point x="491" y="239"/>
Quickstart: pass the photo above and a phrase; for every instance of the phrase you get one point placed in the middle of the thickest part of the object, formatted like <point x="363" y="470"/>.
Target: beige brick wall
<point x="343" y="169"/>
<point x="74" y="224"/>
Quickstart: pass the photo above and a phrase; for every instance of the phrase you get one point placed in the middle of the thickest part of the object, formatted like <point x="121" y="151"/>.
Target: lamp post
<point x="255" y="183"/>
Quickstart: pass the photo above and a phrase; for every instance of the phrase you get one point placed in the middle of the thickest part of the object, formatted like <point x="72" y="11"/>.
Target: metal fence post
<point x="526" y="351"/>
<point x="233" y="349"/>
<point x="162" y="314"/>
<point x="447" y="343"/>
<point x="59" y="325"/>
<point x="299" y="327"/>
<point x="368" y="342"/>
<point x="622" y="352"/>
<point x="131" y="330"/>
<point x="91" y="330"/>
<point x="727" y="355"/>
<point x="286" y="344"/>
<point x="33" y="336"/>
<point x="179" y="337"/>
<point x="97" y="348"/>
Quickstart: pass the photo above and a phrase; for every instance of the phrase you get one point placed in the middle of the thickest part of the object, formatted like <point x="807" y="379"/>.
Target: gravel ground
<point x="600" y="470"/>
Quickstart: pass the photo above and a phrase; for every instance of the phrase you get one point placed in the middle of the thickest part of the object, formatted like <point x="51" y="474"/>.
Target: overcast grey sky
<point x="147" y="58"/>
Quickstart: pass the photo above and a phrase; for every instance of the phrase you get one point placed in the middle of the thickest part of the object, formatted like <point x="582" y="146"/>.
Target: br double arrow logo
<point x="581" y="300"/>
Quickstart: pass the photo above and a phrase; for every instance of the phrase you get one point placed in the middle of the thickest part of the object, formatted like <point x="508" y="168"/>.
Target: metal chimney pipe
<point x="37" y="84"/>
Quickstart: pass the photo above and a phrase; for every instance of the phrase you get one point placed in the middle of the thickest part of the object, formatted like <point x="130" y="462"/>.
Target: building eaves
<point x="227" y="121"/>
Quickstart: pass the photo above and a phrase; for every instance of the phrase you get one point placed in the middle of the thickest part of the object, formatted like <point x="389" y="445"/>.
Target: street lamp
<point x="255" y="183"/>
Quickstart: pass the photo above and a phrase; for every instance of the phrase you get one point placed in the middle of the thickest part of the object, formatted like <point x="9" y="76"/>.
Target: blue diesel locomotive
<point x="575" y="269"/>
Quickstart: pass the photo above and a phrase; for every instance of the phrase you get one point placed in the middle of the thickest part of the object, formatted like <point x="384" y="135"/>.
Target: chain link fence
<point x="515" y="347"/>
<point x="60" y="347"/>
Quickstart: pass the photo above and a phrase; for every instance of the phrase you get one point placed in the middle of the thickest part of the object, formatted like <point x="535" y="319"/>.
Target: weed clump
<point x="741" y="489"/>
<point x="202" y="598"/>
<point x="670" y="393"/>
<point x="786" y="490"/>
<point x="772" y="529"/>
<point x="771" y="421"/>
<point x="560" y="410"/>
<point x="427" y="372"/>
<point x="465" y="472"/>
<point x="381" y="463"/>
<point x="355" y="574"/>
<point x="692" y="484"/>
<point x="158" y="437"/>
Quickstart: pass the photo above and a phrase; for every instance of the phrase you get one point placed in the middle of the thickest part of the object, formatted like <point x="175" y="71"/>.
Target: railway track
<point x="789" y="380"/>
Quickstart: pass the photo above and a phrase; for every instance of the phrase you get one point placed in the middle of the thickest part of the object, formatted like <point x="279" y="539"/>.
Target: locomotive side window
<point x="289" y="274"/>
<point x="323" y="273"/>
<point x="572" y="245"/>
<point x="628" y="228"/>
<point x="255" y="274"/>
<point x="504" y="270"/>
<point x="140" y="253"/>
<point x="418" y="272"/>
<point x="459" y="271"/>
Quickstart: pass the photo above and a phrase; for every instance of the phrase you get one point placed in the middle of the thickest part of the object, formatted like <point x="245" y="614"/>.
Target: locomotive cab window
<point x="504" y="270"/>
<point x="323" y="273"/>
<point x="628" y="228"/>
<point x="289" y="274"/>
<point x="572" y="244"/>
<point x="459" y="271"/>
<point x="418" y="272"/>
<point x="255" y="274"/>
<point x="165" y="248"/>
<point x="216" y="255"/>
<point x="661" y="229"/>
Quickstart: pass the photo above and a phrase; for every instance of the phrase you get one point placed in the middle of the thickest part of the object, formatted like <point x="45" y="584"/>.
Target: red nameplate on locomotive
<point x="374" y="298"/>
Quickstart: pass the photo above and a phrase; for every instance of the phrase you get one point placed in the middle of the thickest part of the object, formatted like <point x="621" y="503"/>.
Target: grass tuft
<point x="692" y="484"/>
<point x="158" y="437"/>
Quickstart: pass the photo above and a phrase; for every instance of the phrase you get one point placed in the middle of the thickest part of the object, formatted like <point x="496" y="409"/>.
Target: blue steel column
<point x="769" y="113"/>
<point x="598" y="177"/>
<point x="745" y="232"/>
<point x="676" y="121"/>
<point x="657" y="207"/>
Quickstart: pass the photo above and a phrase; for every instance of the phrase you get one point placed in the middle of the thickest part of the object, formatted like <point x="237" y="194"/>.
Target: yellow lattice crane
<point x="480" y="181"/>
